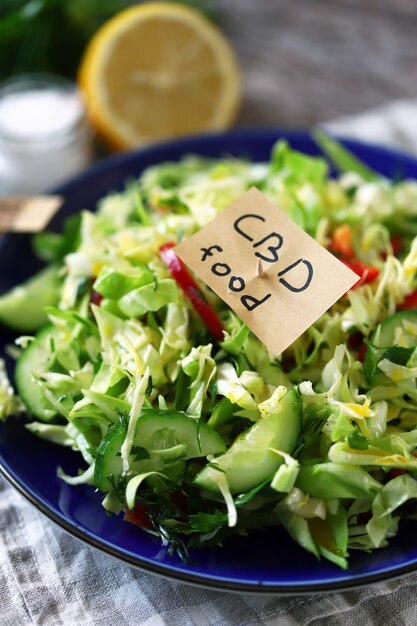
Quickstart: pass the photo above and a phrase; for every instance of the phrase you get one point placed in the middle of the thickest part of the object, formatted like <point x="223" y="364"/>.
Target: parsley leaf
<point x="357" y="441"/>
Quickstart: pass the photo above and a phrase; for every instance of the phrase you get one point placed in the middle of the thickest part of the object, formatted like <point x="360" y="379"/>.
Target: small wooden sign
<point x="27" y="214"/>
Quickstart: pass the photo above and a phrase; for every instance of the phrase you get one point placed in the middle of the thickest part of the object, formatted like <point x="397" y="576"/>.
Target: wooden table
<point x="307" y="61"/>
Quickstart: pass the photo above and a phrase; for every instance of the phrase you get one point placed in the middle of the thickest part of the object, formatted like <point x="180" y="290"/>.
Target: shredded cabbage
<point x="126" y="341"/>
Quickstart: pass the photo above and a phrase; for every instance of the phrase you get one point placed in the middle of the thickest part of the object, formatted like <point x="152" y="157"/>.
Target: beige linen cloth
<point x="47" y="577"/>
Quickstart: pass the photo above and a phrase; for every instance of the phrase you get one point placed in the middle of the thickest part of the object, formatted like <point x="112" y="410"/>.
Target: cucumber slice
<point x="22" y="308"/>
<point x="108" y="459"/>
<point x="34" y="360"/>
<point x="385" y="334"/>
<point x="394" y="339"/>
<point x="159" y="433"/>
<point x="165" y="429"/>
<point x="223" y="413"/>
<point x="248" y="462"/>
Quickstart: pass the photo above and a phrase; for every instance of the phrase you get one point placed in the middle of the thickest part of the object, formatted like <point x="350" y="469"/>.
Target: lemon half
<point x="156" y="71"/>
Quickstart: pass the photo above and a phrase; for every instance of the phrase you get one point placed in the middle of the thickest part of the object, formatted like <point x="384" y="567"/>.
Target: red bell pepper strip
<point x="342" y="240"/>
<point x="139" y="516"/>
<point x="95" y="298"/>
<point x="410" y="302"/>
<point x="366" y="273"/>
<point x="187" y="283"/>
<point x="364" y="517"/>
<point x="341" y="246"/>
<point x="179" y="500"/>
<point x="356" y="342"/>
<point x="396" y="244"/>
<point x="395" y="472"/>
<point x="362" y="352"/>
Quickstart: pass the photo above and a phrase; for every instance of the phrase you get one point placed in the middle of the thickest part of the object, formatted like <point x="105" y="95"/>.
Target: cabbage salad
<point x="184" y="422"/>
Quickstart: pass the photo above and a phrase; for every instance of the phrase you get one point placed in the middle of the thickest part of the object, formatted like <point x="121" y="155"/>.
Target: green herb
<point x="118" y="486"/>
<point x="50" y="35"/>
<point x="244" y="498"/>
<point x="140" y="209"/>
<point x="52" y="247"/>
<point x="139" y="453"/>
<point x="357" y="441"/>
<point x="82" y="288"/>
<point x="149" y="387"/>
<point x="163" y="515"/>
<point x="216" y="467"/>
<point x="175" y="204"/>
<point x="205" y="522"/>
<point x="213" y="395"/>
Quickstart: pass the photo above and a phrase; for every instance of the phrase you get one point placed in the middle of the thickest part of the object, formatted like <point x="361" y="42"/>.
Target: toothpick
<point x="259" y="268"/>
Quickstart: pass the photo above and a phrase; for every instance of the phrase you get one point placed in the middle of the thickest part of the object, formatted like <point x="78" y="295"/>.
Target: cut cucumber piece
<point x="249" y="462"/>
<point x="34" y="360"/>
<point x="160" y="433"/>
<point x="386" y="333"/>
<point x="394" y="339"/>
<point x="22" y="308"/>
<point x="165" y="429"/>
<point x="108" y="459"/>
<point x="223" y="413"/>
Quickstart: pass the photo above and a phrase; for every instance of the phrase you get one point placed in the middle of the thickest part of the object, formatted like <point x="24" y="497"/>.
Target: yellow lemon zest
<point x="361" y="410"/>
<point x="97" y="267"/>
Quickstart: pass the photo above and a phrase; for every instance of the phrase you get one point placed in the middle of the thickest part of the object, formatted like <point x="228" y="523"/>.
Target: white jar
<point x="44" y="134"/>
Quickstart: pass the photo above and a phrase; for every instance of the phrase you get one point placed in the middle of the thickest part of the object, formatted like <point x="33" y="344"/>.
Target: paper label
<point x="276" y="277"/>
<point x="29" y="214"/>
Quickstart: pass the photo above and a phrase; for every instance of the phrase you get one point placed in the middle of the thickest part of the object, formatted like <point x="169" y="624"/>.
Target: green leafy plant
<point x="50" y="35"/>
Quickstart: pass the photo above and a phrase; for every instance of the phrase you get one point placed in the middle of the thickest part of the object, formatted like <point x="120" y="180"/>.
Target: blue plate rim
<point x="239" y="133"/>
<point x="206" y="581"/>
<point x="189" y="144"/>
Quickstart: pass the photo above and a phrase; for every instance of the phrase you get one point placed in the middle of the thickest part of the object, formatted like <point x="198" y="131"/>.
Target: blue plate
<point x="266" y="562"/>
